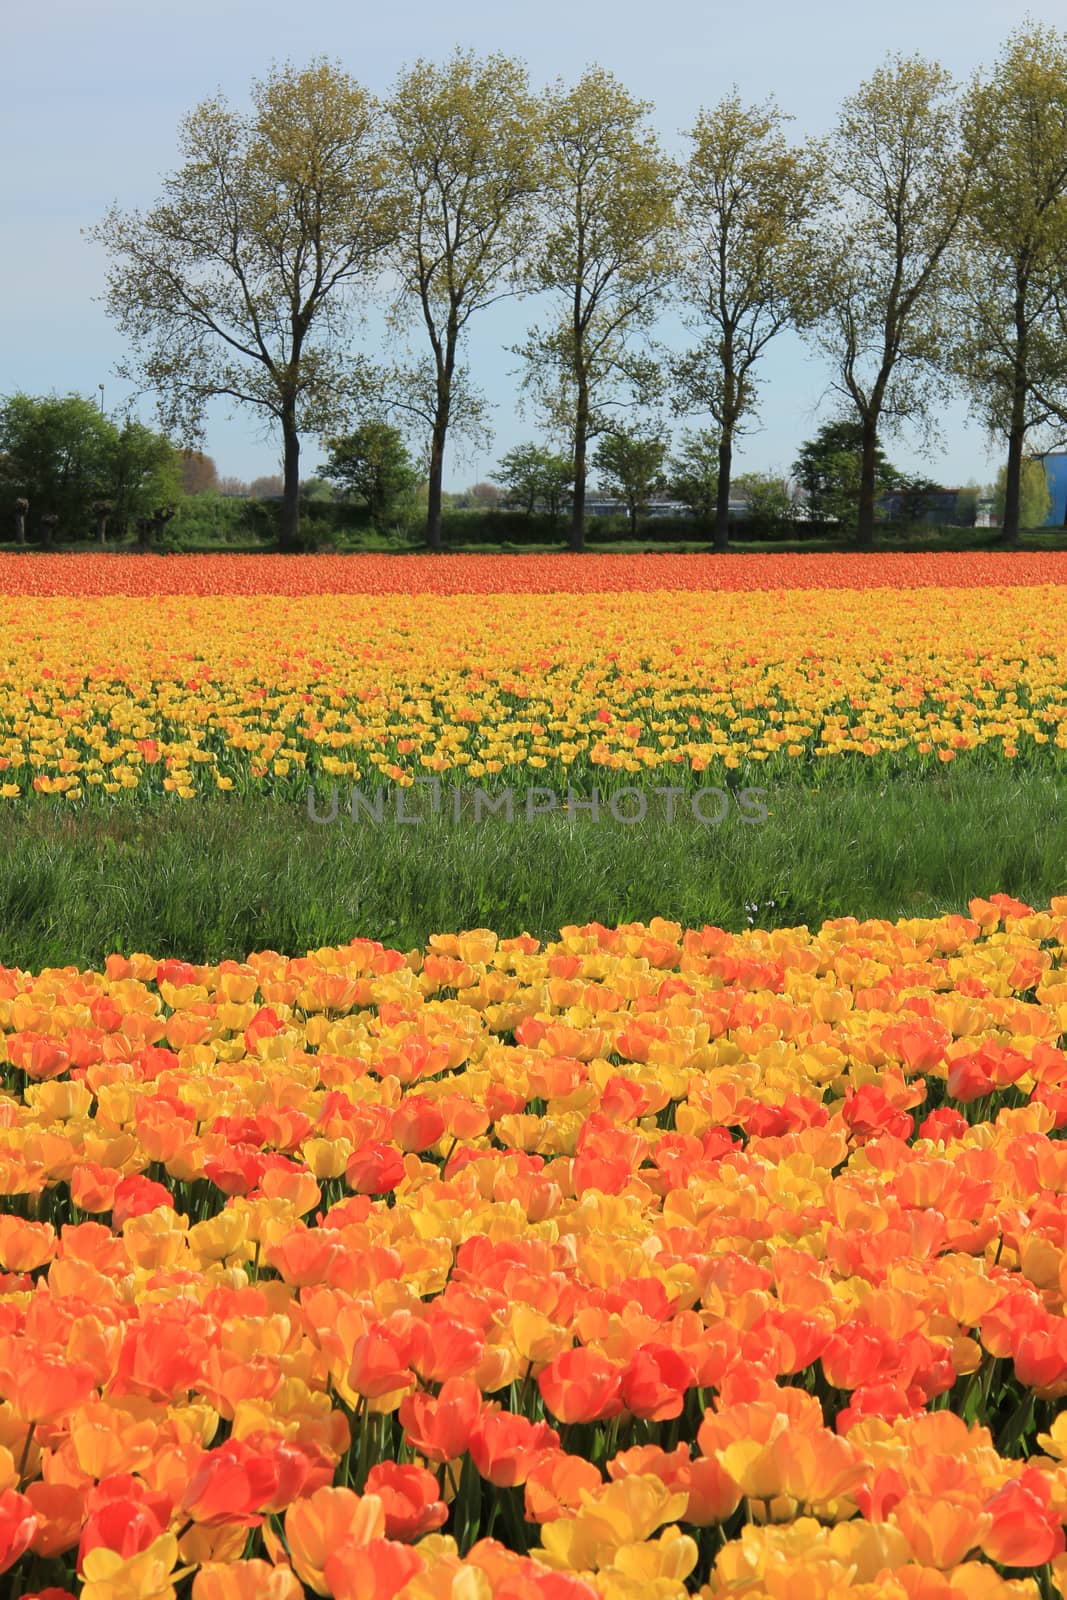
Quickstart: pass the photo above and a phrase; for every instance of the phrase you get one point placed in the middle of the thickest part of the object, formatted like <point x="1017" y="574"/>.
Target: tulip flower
<point x="327" y="1521"/>
<point x="441" y="1427"/>
<point x="581" y="1386"/>
<point x="410" y="1497"/>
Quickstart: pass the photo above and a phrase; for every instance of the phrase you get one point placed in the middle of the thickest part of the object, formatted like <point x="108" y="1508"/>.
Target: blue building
<point x="1056" y="473"/>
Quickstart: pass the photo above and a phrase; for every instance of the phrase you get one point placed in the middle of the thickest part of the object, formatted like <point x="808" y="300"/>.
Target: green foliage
<point x="1035" y="501"/>
<point x="145" y="475"/>
<point x="465" y="166"/>
<point x="967" y="505"/>
<point x="901" y="182"/>
<point x="372" y="464"/>
<point x="915" y="497"/>
<point x="693" y="473"/>
<point x="535" y="478"/>
<point x="224" y="520"/>
<point x="749" y="201"/>
<point x="55" y="452"/>
<point x="769" y="502"/>
<point x="630" y="465"/>
<point x="828" y="468"/>
<point x="65" y="457"/>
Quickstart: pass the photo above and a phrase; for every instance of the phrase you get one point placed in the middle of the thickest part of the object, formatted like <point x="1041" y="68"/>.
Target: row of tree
<point x="85" y="475"/>
<point x="635" y="467"/>
<point x="923" y="241"/>
<point x="373" y="468"/>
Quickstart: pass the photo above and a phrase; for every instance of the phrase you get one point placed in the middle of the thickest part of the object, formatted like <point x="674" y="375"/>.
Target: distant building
<point x="606" y="505"/>
<point x="1056" y="473"/>
<point x="939" y="506"/>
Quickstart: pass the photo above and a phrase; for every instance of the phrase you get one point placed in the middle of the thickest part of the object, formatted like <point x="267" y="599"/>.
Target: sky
<point x="92" y="92"/>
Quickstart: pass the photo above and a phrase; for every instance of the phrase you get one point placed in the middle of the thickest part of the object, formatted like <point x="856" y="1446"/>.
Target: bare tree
<point x="1011" y="332"/>
<point x="607" y="259"/>
<point x="897" y="165"/>
<point x="748" y="203"/>
<point x="237" y="284"/>
<point x="463" y="142"/>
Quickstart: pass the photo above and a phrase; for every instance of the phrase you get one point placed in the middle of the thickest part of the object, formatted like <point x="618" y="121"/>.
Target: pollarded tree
<point x="1011" y="347"/>
<point x="607" y="258"/>
<point x="749" y="199"/>
<point x="463" y="149"/>
<point x="898" y="168"/>
<point x="239" y="282"/>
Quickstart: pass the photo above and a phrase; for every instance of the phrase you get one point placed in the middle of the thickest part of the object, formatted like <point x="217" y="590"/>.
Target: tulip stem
<point x="24" y="1458"/>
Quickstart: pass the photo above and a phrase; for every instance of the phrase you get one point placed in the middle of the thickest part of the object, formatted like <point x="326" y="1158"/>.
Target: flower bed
<point x="270" y="695"/>
<point x="646" y="1263"/>
<point x="93" y="572"/>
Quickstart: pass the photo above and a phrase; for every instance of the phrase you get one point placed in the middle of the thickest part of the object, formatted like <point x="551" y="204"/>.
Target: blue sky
<point x="91" y="93"/>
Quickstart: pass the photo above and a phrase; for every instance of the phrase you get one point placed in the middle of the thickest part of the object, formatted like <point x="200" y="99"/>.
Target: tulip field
<point x="621" y="1258"/>
<point x="268" y="693"/>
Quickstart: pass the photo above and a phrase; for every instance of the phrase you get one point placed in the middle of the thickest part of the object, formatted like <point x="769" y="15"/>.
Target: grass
<point x="219" y="878"/>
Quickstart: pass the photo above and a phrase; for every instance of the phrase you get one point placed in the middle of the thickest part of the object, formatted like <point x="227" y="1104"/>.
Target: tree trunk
<point x="581" y="430"/>
<point x="101" y="526"/>
<point x="1017" y="430"/>
<point x="48" y="528"/>
<point x="722" y="492"/>
<point x="290" y="525"/>
<point x="1013" y="481"/>
<point x="865" y="510"/>
<point x="633" y="519"/>
<point x="21" y="508"/>
<point x="433" y="499"/>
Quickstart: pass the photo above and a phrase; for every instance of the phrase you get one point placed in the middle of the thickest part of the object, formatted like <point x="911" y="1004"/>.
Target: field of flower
<point x="633" y="1261"/>
<point x="101" y="573"/>
<point x="643" y="1263"/>
<point x="194" y="694"/>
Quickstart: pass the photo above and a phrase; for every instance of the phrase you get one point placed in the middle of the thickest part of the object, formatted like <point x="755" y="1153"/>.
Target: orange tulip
<point x="59" y="1509"/>
<point x="25" y="1246"/>
<point x="246" y="1580"/>
<point x="581" y="1386"/>
<point x="1025" y="1531"/>
<point x="506" y="1448"/>
<point x="440" y="1427"/>
<point x="375" y="1571"/>
<point x="232" y="1485"/>
<point x="557" y="1484"/>
<point x="654" y="1383"/>
<point x="941" y="1532"/>
<point x="18" y="1524"/>
<point x="323" y="1523"/>
<point x="411" y="1498"/>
